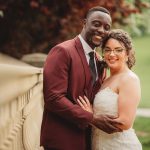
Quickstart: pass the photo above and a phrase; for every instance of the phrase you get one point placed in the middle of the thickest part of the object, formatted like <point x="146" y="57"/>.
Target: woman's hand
<point x="85" y="104"/>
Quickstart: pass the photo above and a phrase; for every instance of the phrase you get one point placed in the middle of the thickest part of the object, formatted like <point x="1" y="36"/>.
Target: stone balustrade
<point x="21" y="107"/>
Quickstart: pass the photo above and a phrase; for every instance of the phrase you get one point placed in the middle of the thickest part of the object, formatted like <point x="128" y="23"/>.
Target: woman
<point x="119" y="95"/>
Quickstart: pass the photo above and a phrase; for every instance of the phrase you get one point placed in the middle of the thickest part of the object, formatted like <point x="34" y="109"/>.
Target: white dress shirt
<point x="87" y="49"/>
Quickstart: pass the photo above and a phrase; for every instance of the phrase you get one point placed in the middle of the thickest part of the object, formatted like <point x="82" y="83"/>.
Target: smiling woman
<point x="124" y="43"/>
<point x="115" y="97"/>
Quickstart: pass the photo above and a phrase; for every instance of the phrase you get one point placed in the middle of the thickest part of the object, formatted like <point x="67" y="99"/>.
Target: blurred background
<point x="30" y="28"/>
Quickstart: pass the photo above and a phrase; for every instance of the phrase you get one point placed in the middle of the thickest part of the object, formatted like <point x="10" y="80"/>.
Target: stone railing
<point x="21" y="107"/>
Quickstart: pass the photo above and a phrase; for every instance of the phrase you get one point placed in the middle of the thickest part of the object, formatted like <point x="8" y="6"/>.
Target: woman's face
<point x="115" y="54"/>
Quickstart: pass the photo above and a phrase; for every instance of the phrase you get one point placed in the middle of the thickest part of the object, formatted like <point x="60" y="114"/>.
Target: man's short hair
<point x="97" y="8"/>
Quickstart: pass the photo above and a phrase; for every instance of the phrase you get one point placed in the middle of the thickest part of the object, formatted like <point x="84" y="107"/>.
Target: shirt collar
<point x="87" y="49"/>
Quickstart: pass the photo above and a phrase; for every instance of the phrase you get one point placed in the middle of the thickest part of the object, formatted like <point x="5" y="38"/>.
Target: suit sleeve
<point x="56" y="76"/>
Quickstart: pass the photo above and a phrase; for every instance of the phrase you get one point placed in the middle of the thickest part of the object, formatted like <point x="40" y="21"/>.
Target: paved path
<point x="143" y="112"/>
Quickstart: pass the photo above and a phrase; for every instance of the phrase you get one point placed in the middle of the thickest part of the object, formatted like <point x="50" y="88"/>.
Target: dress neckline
<point x="108" y="89"/>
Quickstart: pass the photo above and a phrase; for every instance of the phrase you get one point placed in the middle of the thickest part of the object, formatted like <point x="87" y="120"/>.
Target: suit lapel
<point x="84" y="62"/>
<point x="90" y="90"/>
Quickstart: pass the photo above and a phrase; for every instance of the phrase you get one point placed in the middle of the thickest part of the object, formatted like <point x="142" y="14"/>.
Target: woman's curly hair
<point x="124" y="38"/>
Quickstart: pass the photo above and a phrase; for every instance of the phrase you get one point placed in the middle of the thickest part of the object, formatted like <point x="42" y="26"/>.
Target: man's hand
<point x="106" y="123"/>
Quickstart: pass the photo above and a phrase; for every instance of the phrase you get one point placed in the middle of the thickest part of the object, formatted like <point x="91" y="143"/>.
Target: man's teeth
<point x="98" y="37"/>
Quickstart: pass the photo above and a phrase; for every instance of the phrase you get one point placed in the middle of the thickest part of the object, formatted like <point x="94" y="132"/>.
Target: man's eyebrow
<point x="96" y="20"/>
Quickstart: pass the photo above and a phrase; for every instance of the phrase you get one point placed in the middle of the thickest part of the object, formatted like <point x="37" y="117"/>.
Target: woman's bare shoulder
<point x="130" y="78"/>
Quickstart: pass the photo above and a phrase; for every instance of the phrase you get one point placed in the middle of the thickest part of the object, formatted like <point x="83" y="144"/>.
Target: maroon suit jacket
<point x="66" y="76"/>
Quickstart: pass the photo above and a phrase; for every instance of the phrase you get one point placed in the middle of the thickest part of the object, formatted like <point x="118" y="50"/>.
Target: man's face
<point x="96" y="26"/>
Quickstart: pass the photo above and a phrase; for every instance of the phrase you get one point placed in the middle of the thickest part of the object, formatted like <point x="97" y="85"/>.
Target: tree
<point x="28" y="26"/>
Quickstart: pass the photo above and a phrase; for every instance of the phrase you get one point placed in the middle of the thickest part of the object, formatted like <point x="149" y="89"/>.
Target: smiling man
<point x="96" y="25"/>
<point x="67" y="75"/>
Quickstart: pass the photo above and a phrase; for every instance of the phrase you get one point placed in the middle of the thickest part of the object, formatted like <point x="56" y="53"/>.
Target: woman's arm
<point x="128" y="100"/>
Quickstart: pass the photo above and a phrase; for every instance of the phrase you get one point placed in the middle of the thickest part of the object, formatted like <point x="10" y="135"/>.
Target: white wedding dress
<point x="106" y="102"/>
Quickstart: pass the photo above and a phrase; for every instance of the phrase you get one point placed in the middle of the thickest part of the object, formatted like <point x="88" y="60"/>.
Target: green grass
<point x="142" y="68"/>
<point x="142" y="128"/>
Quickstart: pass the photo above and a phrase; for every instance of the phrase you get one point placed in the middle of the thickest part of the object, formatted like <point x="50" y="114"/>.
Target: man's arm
<point x="107" y="123"/>
<point x="56" y="76"/>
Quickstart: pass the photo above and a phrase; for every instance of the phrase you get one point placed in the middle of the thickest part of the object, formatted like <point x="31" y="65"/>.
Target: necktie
<point x="92" y="66"/>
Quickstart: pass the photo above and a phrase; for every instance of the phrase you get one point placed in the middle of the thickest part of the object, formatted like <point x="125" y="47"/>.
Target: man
<point x="67" y="76"/>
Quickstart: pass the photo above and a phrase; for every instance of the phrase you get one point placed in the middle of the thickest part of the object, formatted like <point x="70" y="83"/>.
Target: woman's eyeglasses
<point x="115" y="51"/>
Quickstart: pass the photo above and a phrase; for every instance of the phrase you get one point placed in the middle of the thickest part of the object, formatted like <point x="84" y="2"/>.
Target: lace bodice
<point x="106" y="102"/>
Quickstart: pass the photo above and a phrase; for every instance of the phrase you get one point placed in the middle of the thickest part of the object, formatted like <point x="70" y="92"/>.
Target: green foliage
<point x="142" y="128"/>
<point x="29" y="26"/>
<point x="142" y="69"/>
<point x="139" y="24"/>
